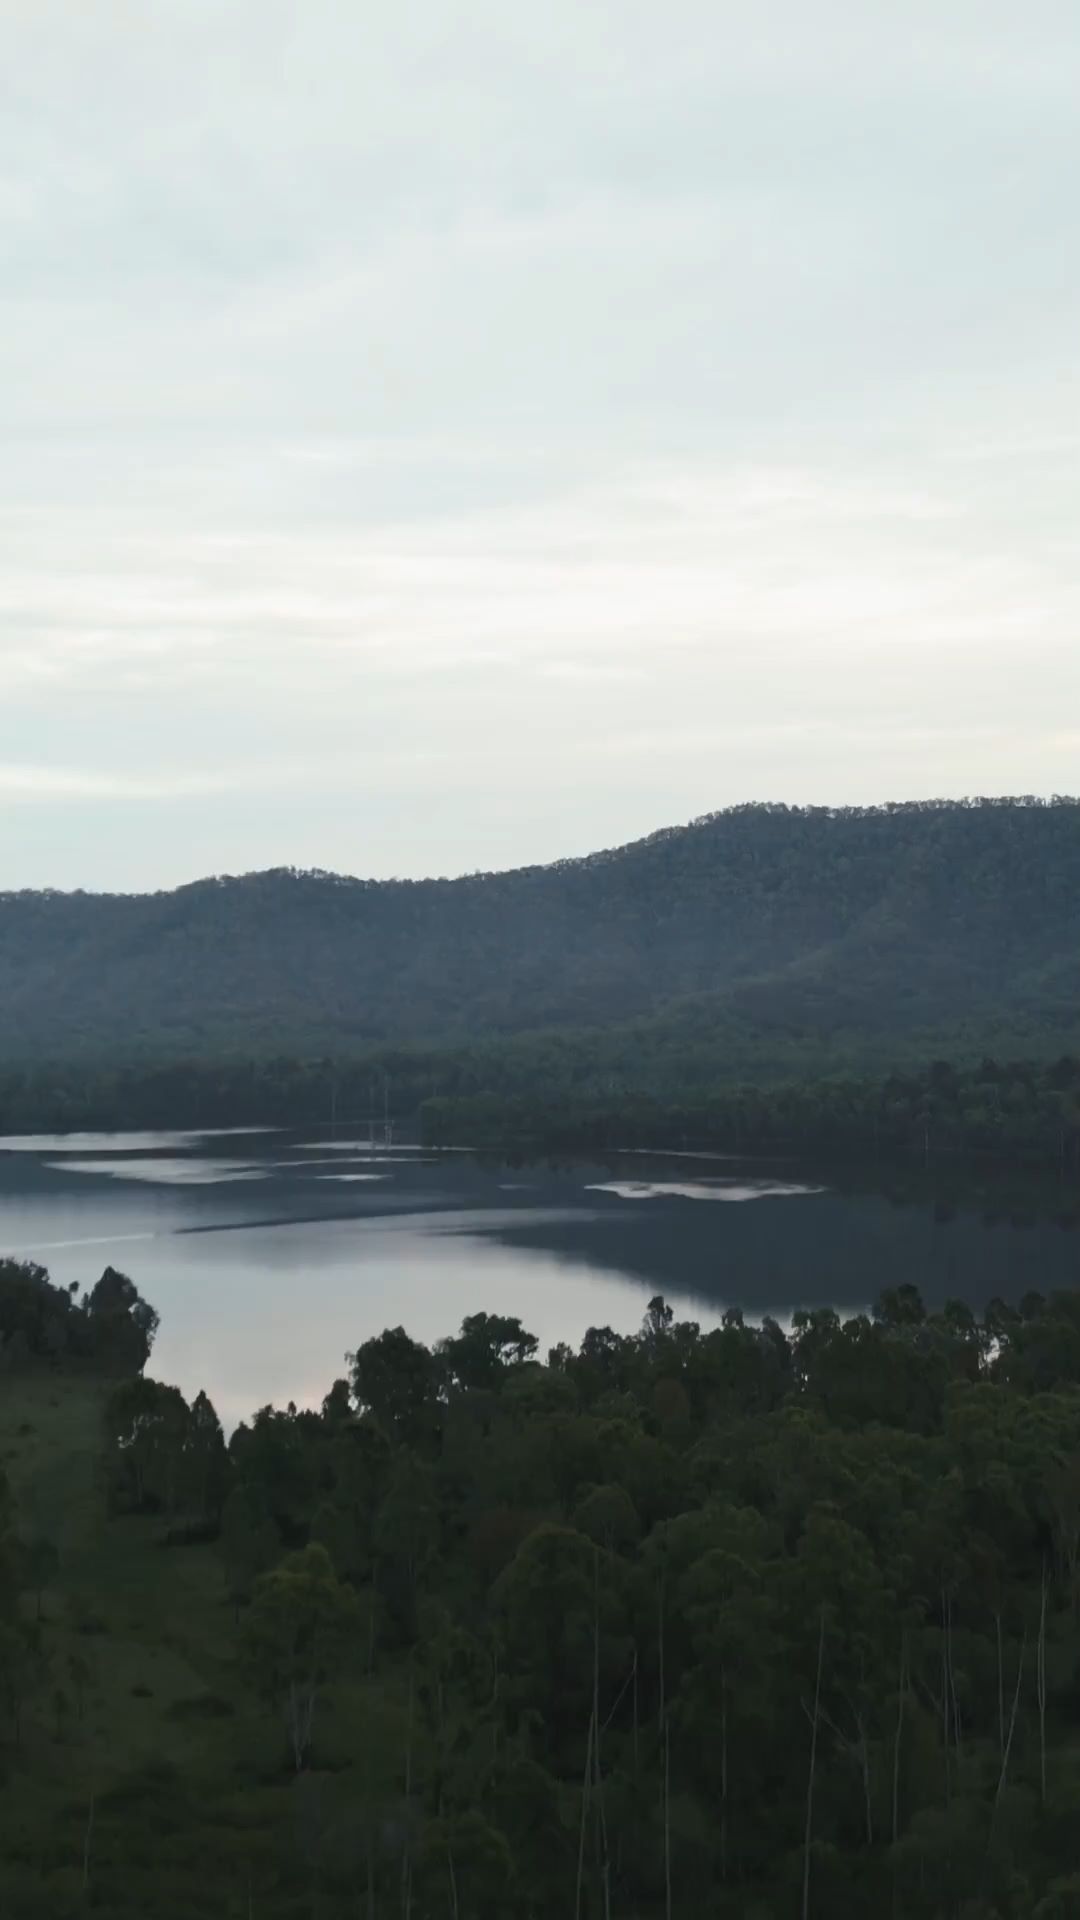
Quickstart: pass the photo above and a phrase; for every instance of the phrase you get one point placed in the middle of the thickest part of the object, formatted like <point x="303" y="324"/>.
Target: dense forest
<point x="741" y="1624"/>
<point x="1015" y="1112"/>
<point x="763" y="938"/>
<point x="522" y="1101"/>
<point x="550" y="1073"/>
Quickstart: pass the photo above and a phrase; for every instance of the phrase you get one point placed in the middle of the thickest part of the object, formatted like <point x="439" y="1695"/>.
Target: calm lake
<point x="268" y="1255"/>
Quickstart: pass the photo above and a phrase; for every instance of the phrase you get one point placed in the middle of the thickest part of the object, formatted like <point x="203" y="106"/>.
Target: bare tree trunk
<point x="667" y="1760"/>
<point x="1001" y="1689"/>
<point x="453" y="1886"/>
<point x="945" y="1698"/>
<point x="371" y="1620"/>
<point x="723" y="1776"/>
<point x="900" y="1703"/>
<point x="635" y="1709"/>
<point x="1041" y="1686"/>
<point x="667" y="1818"/>
<point x="584" y="1819"/>
<point x="957" y="1719"/>
<point x="86" y="1846"/>
<point x="605" y="1855"/>
<point x="1012" y="1721"/>
<point x="864" y="1751"/>
<point x="605" y="1863"/>
<point x="901" y="1700"/>
<point x="954" y="1706"/>
<point x="300" y="1719"/>
<point x="813" y="1768"/>
<point x="406" y="1858"/>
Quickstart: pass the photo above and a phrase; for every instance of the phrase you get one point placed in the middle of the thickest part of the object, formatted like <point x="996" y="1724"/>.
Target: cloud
<point x="51" y="783"/>
<point x="466" y="435"/>
<point x="608" y="577"/>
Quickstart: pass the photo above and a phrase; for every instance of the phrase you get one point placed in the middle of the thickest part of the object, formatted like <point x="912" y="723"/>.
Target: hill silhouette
<point x="877" y="921"/>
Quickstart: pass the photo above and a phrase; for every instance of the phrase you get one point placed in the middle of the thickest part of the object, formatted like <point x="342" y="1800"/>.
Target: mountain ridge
<point x="887" y="809"/>
<point x="809" y="920"/>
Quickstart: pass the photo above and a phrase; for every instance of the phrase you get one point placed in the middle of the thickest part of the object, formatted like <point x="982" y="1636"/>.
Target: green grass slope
<point x="141" y="1769"/>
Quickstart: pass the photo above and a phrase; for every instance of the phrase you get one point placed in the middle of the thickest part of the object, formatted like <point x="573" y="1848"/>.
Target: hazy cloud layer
<point x="442" y="437"/>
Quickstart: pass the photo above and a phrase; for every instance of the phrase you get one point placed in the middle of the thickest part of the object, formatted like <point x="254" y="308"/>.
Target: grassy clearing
<point x="142" y="1706"/>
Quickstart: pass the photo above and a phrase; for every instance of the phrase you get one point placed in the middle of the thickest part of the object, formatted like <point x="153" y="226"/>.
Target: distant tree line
<point x="1016" y="1111"/>
<point x="577" y="1092"/>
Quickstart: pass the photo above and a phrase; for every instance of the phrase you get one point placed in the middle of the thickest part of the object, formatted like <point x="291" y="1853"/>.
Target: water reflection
<point x="165" y="1173"/>
<point x="731" y="1190"/>
<point x="269" y="1261"/>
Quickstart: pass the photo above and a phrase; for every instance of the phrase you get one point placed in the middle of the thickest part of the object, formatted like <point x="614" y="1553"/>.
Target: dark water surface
<point x="270" y="1254"/>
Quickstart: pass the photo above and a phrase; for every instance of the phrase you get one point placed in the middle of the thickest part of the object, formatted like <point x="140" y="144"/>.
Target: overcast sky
<point x="442" y="436"/>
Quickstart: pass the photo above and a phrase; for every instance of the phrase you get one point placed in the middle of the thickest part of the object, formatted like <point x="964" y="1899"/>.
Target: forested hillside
<point x="759" y="926"/>
<point x="725" y="1625"/>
